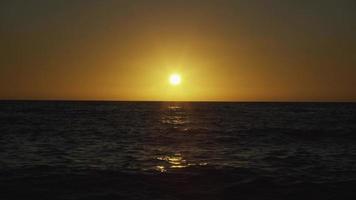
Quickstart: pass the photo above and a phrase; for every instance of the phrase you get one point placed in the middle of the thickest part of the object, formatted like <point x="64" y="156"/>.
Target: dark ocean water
<point x="162" y="150"/>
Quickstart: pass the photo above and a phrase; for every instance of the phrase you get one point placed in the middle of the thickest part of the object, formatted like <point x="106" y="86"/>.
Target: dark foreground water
<point x="123" y="150"/>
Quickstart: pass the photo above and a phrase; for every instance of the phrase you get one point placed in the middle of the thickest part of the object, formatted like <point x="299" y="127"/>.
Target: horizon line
<point x="181" y="101"/>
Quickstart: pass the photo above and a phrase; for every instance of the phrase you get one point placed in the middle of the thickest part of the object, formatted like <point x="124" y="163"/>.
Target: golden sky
<point x="223" y="50"/>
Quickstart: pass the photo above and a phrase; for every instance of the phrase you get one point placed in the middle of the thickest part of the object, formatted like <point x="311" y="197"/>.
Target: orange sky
<point x="224" y="50"/>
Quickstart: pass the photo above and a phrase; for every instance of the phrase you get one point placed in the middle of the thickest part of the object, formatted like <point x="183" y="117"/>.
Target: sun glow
<point x="174" y="79"/>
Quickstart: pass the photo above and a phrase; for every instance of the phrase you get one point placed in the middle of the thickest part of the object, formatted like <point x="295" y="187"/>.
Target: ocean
<point x="177" y="150"/>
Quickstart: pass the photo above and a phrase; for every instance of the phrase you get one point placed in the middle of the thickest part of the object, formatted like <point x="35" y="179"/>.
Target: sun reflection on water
<point x="160" y="168"/>
<point x="175" y="161"/>
<point x="175" y="117"/>
<point x="171" y="107"/>
<point x="173" y="120"/>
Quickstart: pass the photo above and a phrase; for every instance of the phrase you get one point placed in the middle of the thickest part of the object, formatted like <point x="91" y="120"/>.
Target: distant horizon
<point x="182" y="101"/>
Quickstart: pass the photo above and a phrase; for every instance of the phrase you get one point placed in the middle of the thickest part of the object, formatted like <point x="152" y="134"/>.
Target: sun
<point x="175" y="79"/>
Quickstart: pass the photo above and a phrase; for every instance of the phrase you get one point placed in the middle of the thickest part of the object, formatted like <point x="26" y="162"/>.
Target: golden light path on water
<point x="176" y="160"/>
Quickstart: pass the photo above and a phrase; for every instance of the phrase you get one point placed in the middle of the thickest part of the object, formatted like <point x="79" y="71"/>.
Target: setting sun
<point x="175" y="79"/>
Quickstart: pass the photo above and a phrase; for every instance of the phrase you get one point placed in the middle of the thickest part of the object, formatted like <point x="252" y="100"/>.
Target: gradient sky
<point x="248" y="50"/>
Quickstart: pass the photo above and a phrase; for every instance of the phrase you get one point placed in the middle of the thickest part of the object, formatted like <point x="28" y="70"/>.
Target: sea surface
<point x="167" y="150"/>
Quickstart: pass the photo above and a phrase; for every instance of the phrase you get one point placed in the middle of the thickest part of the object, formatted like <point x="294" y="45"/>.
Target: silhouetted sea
<point x="165" y="150"/>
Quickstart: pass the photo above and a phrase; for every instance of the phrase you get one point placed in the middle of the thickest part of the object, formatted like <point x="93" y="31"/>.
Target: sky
<point x="224" y="50"/>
